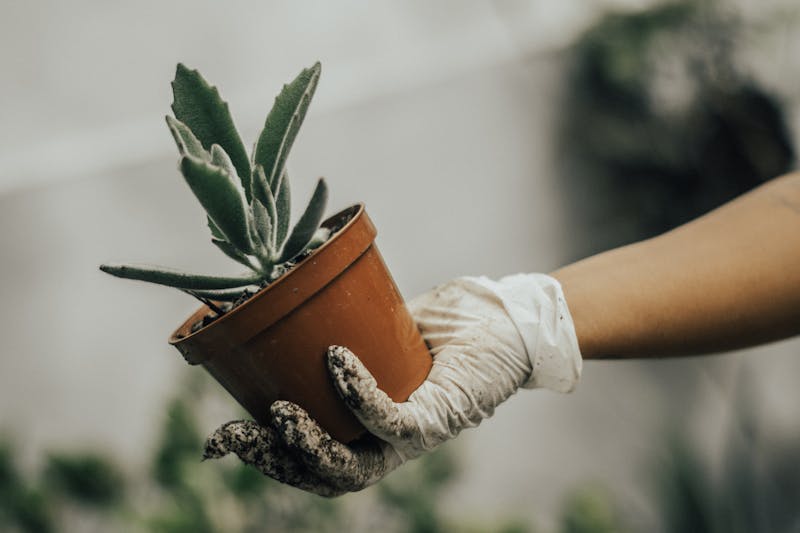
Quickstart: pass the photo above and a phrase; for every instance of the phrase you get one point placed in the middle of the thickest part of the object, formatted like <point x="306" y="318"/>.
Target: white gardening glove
<point x="488" y="338"/>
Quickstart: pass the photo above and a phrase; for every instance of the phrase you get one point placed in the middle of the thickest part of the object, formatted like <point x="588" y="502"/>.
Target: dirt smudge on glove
<point x="260" y="447"/>
<point x="347" y="468"/>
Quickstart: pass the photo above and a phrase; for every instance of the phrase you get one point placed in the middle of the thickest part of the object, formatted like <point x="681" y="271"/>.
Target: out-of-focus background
<point x="485" y="138"/>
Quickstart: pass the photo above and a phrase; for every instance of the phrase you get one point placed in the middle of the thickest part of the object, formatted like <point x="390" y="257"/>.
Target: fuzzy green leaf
<point x="220" y="158"/>
<point x="275" y="186"/>
<point x="284" y="121"/>
<point x="319" y="238"/>
<point x="258" y="183"/>
<point x="304" y="230"/>
<point x="216" y="233"/>
<point x="178" y="279"/>
<point x="283" y="210"/>
<point x="187" y="143"/>
<point x="264" y="226"/>
<point x="231" y="251"/>
<point x="263" y="192"/>
<point x="260" y="186"/>
<point x="222" y="199"/>
<point x="202" y="109"/>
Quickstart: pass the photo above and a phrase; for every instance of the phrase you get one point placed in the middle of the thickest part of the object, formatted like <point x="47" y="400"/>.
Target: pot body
<point x="273" y="346"/>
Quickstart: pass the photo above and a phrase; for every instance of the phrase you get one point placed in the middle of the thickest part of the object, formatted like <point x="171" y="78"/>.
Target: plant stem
<point x="205" y="301"/>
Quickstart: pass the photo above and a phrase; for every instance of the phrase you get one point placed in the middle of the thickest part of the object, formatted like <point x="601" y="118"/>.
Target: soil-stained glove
<point x="488" y="339"/>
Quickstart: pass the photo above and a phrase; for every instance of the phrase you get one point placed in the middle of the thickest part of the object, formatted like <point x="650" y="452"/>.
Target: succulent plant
<point x="247" y="199"/>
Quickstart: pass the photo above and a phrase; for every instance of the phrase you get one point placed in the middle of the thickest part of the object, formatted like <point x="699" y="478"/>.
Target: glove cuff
<point x="536" y="305"/>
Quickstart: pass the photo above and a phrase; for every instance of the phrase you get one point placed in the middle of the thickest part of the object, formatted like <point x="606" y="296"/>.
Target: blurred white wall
<point x="437" y="115"/>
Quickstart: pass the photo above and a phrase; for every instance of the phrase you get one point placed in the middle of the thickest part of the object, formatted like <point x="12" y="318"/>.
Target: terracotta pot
<point x="273" y="346"/>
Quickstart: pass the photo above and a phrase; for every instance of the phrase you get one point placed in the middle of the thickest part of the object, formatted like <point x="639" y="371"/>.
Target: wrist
<point x="585" y="308"/>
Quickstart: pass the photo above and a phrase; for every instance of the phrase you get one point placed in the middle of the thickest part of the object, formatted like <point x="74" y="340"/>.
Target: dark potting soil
<point x="225" y="307"/>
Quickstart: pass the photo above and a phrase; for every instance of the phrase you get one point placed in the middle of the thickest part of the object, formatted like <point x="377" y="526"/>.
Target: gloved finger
<point x="260" y="447"/>
<point x="349" y="468"/>
<point x="378" y="413"/>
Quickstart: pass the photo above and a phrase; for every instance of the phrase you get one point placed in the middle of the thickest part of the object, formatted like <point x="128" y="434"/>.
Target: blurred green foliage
<point x="659" y="123"/>
<point x="181" y="494"/>
<point x="183" y="511"/>
<point x="590" y="510"/>
<point x="30" y="511"/>
<point x="86" y="478"/>
<point x="245" y="482"/>
<point x="685" y="496"/>
<point x="415" y="492"/>
<point x="756" y="489"/>
<point x="21" y="505"/>
<point x="180" y="440"/>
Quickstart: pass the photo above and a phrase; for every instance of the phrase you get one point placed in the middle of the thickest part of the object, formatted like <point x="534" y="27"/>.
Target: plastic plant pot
<point x="272" y="347"/>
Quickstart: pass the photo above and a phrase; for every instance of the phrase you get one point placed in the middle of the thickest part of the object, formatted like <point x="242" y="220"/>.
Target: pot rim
<point x="356" y="212"/>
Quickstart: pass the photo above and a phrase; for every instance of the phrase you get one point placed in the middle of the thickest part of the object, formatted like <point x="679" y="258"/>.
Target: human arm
<point x="726" y="280"/>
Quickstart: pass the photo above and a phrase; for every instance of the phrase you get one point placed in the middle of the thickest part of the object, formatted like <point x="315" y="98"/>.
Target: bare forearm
<point x="727" y="280"/>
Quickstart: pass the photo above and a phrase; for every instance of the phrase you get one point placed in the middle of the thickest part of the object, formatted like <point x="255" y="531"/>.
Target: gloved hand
<point x="488" y="338"/>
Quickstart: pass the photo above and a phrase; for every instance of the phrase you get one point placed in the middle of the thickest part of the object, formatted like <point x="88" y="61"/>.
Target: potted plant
<point x="263" y="334"/>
